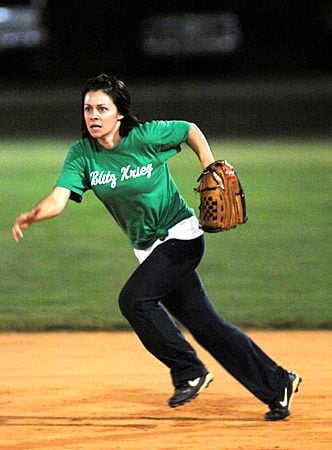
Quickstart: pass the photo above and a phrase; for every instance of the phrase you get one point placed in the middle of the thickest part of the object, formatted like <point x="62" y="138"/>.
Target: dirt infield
<point x="96" y="391"/>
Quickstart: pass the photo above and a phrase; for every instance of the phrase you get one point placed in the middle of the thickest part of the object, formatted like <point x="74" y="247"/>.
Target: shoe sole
<point x="295" y="388"/>
<point x="207" y="381"/>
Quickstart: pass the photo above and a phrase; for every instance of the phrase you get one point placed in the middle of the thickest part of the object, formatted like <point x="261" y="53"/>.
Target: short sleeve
<point x="73" y="174"/>
<point x="167" y="134"/>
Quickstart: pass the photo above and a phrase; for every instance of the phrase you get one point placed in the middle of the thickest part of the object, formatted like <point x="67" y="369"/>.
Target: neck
<point x="111" y="140"/>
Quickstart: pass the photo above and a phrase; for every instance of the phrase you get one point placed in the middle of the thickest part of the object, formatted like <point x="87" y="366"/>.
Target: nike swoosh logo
<point x="193" y="383"/>
<point x="283" y="403"/>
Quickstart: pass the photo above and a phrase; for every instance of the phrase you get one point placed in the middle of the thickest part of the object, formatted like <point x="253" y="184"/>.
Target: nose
<point x="93" y="115"/>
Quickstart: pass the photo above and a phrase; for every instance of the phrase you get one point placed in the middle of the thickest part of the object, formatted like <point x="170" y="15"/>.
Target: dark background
<point x="279" y="38"/>
<point x="278" y="81"/>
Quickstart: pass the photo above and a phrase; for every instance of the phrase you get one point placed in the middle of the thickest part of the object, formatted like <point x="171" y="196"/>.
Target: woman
<point x="125" y="163"/>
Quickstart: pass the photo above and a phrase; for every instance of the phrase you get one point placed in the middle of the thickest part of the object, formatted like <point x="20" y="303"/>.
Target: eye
<point x="87" y="109"/>
<point x="102" y="109"/>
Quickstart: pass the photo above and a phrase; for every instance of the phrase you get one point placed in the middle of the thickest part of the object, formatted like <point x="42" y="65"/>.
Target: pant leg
<point x="140" y="299"/>
<point x="232" y="348"/>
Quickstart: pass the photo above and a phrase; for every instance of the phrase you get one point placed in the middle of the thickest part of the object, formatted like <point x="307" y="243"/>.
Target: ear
<point x="120" y="117"/>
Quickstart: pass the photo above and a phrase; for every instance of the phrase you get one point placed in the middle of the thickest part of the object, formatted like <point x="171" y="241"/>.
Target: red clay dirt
<point x="97" y="391"/>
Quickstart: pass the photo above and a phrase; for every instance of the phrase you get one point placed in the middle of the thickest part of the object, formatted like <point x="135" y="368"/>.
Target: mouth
<point x="94" y="129"/>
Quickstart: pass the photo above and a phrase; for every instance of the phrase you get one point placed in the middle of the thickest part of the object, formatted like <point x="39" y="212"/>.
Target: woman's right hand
<point x="23" y="221"/>
<point x="49" y="207"/>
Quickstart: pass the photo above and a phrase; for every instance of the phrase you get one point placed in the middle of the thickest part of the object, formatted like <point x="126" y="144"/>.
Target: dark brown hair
<point x="118" y="92"/>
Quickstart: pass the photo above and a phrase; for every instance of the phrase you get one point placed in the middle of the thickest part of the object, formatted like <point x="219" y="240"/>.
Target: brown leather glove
<point x="222" y="200"/>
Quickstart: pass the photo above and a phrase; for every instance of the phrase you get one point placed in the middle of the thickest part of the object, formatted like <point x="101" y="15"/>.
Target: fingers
<point x="23" y="222"/>
<point x="17" y="232"/>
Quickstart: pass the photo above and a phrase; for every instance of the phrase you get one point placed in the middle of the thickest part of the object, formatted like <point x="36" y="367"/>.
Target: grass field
<point x="272" y="272"/>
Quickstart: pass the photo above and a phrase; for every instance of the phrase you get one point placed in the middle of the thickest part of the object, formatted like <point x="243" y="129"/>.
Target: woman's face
<point x="101" y="115"/>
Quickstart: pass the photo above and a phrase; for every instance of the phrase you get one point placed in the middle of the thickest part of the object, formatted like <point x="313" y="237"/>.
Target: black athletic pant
<point x="167" y="279"/>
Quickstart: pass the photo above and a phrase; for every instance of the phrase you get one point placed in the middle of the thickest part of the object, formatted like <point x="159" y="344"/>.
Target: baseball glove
<point x="222" y="201"/>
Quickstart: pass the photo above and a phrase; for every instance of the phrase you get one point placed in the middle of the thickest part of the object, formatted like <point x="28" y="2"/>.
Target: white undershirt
<point x="186" y="230"/>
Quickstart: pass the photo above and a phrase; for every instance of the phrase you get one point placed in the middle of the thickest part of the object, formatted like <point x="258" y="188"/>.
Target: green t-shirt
<point x="132" y="179"/>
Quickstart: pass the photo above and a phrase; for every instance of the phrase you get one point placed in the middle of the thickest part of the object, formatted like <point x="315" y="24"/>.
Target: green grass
<point x="272" y="272"/>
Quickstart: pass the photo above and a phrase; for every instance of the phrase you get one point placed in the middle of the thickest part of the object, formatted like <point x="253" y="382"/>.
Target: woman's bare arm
<point x="198" y="143"/>
<point x="49" y="207"/>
